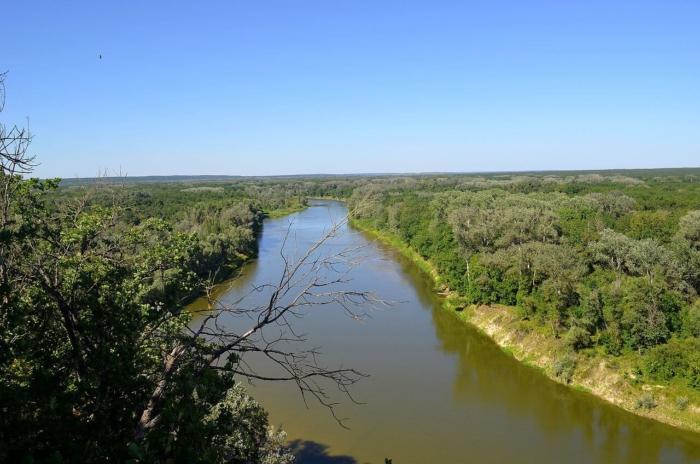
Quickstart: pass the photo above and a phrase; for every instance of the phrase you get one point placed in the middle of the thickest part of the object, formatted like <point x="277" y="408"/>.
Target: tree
<point x="613" y="250"/>
<point x="634" y="257"/>
<point x="646" y="313"/>
<point x="691" y="320"/>
<point x="689" y="228"/>
<point x="675" y="359"/>
<point x="616" y="204"/>
<point x="686" y="248"/>
<point x="648" y="258"/>
<point x="488" y="220"/>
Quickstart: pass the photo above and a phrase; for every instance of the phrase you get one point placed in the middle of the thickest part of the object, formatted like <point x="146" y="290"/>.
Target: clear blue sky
<point x="278" y="87"/>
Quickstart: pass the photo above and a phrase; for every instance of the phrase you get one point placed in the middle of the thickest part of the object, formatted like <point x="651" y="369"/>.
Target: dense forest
<point x="607" y="263"/>
<point x="95" y="276"/>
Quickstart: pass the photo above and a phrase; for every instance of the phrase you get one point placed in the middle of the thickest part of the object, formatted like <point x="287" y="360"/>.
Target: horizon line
<point x="383" y="174"/>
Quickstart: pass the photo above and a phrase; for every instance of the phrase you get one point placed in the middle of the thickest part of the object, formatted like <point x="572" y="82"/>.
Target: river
<point x="438" y="391"/>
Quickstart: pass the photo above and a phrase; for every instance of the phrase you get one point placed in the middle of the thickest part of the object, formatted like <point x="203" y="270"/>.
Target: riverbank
<point x="613" y="379"/>
<point x="233" y="267"/>
<point x="281" y="212"/>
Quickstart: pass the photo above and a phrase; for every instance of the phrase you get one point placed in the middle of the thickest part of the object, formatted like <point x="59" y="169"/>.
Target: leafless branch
<point x="243" y="333"/>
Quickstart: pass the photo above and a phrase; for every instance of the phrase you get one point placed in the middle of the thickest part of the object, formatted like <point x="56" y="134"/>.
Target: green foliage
<point x="578" y="338"/>
<point x="579" y="223"/>
<point x="689" y="228"/>
<point x="645" y="314"/>
<point x="656" y="224"/>
<point x="564" y="368"/>
<point x="491" y="285"/>
<point x="678" y="359"/>
<point x="682" y="403"/>
<point x="690" y="320"/>
<point x="611" y="340"/>
<point x="646" y="401"/>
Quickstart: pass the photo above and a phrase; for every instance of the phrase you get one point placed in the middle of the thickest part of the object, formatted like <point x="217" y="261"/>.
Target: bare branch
<point x="310" y="281"/>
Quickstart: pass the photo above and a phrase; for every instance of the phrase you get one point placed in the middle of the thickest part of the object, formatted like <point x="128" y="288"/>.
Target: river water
<point x="438" y="391"/>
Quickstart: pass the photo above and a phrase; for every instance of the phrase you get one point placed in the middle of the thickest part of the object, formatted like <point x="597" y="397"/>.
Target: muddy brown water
<point x="438" y="391"/>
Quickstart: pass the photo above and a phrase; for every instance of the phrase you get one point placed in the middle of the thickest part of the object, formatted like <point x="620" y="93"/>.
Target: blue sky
<point x="280" y="87"/>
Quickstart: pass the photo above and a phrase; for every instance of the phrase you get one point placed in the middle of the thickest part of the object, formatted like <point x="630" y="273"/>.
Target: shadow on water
<point x="311" y="452"/>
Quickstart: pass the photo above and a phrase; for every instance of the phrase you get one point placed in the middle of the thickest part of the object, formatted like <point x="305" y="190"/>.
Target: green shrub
<point x="564" y="368"/>
<point x="682" y="403"/>
<point x="578" y="338"/>
<point x="675" y="359"/>
<point x="646" y="401"/>
<point x="690" y="320"/>
<point x="611" y="341"/>
<point x="666" y="361"/>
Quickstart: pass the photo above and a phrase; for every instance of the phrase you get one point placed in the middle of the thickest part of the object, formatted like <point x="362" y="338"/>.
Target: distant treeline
<point x="693" y="172"/>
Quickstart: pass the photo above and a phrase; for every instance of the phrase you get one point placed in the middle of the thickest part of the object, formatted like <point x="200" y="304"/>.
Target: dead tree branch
<point x="313" y="280"/>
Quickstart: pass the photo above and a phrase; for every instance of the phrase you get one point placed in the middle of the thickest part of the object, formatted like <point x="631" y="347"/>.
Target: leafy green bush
<point x="676" y="359"/>
<point x="646" y="401"/>
<point x="578" y="338"/>
<point x="611" y="341"/>
<point x="564" y="368"/>
<point x="690" y="320"/>
<point x="665" y="362"/>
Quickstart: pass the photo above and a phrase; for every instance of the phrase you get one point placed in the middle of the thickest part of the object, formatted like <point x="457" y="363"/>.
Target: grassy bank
<point x="614" y="379"/>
